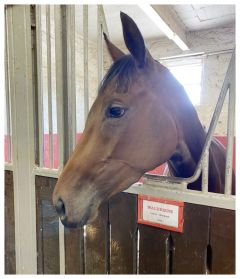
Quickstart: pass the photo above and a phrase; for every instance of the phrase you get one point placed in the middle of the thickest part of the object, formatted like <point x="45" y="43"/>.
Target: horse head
<point x="129" y="130"/>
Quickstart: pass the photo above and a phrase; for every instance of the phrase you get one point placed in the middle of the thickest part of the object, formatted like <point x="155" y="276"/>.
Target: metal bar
<point x="7" y="102"/>
<point x="85" y="57"/>
<point x="99" y="45"/>
<point x="49" y="81"/>
<point x="59" y="83"/>
<point x="230" y="137"/>
<point x="61" y="248"/>
<point x="190" y="196"/>
<point x="58" y="21"/>
<point x="47" y="172"/>
<point x="40" y="84"/>
<point x="20" y="86"/>
<point x="103" y="19"/>
<point x="71" y="84"/>
<point x="199" y="54"/>
<point x="168" y="192"/>
<point x="205" y="172"/>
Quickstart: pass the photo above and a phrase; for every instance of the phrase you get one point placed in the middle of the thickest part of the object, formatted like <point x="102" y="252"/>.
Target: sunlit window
<point x="189" y="74"/>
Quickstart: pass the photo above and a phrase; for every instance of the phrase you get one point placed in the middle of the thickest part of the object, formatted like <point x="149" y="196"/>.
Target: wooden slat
<point x="74" y="251"/>
<point x="190" y="247"/>
<point x="47" y="227"/>
<point x="10" y="259"/>
<point x="153" y="252"/>
<point x="222" y="241"/>
<point x="123" y="220"/>
<point x="96" y="244"/>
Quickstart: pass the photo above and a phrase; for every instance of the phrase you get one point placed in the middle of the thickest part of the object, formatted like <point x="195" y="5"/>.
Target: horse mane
<point x="122" y="71"/>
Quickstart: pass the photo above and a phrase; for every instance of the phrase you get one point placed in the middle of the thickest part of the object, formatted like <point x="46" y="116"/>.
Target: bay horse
<point x="141" y="118"/>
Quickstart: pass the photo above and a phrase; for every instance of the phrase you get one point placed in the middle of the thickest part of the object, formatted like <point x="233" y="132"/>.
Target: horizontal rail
<point x="54" y="173"/>
<point x="177" y="192"/>
<point x="190" y="196"/>
<point x="8" y="167"/>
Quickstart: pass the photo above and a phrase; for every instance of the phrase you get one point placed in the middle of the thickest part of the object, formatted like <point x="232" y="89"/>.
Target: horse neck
<point x="190" y="144"/>
<point x="184" y="161"/>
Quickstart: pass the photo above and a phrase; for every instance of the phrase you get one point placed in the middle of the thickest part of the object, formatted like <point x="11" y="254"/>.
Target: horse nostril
<point x="60" y="208"/>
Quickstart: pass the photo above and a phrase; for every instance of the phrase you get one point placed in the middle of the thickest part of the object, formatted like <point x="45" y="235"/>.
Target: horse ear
<point x="133" y="39"/>
<point x="114" y="51"/>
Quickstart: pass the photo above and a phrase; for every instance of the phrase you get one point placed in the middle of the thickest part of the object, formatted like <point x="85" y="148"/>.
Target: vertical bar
<point x="205" y="171"/>
<point x="85" y="55"/>
<point x="60" y="114"/>
<point x="103" y="20"/>
<point x="40" y="82"/>
<point x="61" y="248"/>
<point x="230" y="133"/>
<point x="21" y="90"/>
<point x="49" y="81"/>
<point x="99" y="45"/>
<point x="71" y="84"/>
<point x="7" y="103"/>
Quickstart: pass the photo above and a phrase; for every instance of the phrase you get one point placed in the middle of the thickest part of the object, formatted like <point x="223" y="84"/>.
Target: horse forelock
<point x="120" y="75"/>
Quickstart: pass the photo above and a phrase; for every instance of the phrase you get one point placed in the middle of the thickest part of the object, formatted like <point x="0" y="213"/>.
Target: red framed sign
<point x="165" y="214"/>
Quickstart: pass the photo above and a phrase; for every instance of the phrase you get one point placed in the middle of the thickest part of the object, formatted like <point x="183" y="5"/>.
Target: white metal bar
<point x="60" y="114"/>
<point x="7" y="103"/>
<point x="99" y="45"/>
<point x="103" y="19"/>
<point x="205" y="172"/>
<point x="59" y="83"/>
<point x="85" y="57"/>
<point x="71" y="76"/>
<point x="40" y="84"/>
<point x="47" y="172"/>
<point x="190" y="196"/>
<point x="20" y="77"/>
<point x="230" y="137"/>
<point x="61" y="248"/>
<point x="168" y="191"/>
<point x="49" y="81"/>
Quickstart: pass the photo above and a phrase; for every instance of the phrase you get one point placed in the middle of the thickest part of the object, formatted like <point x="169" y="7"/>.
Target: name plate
<point x="165" y="214"/>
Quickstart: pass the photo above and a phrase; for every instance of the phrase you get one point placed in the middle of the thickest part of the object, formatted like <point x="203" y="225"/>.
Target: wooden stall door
<point x="10" y="260"/>
<point x="47" y="227"/>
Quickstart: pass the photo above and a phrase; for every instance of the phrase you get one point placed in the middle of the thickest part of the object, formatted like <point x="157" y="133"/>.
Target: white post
<point x="99" y="44"/>
<point x="60" y="115"/>
<point x="40" y="84"/>
<point x="49" y="81"/>
<point x="21" y="98"/>
<point x="230" y="132"/>
<point x="71" y="84"/>
<point x="205" y="162"/>
<point x="85" y="57"/>
<point x="7" y="106"/>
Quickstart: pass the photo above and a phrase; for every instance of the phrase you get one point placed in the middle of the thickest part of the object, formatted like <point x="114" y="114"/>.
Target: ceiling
<point x="188" y="17"/>
<point x="199" y="17"/>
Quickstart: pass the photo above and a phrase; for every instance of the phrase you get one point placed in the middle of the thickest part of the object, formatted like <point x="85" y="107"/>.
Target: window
<point x="188" y="71"/>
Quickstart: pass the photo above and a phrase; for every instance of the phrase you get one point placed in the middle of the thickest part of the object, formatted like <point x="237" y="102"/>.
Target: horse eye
<point x="115" y="112"/>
